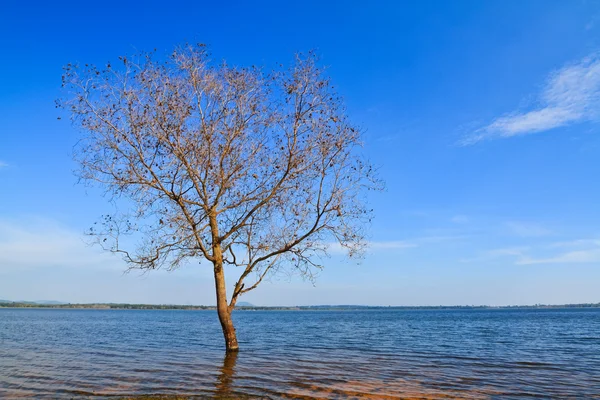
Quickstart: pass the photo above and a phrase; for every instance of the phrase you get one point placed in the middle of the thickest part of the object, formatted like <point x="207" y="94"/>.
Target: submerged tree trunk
<point x="231" y="343"/>
<point x="225" y="379"/>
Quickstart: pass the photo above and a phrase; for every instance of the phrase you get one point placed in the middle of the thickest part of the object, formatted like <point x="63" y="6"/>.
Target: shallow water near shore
<point x="57" y="353"/>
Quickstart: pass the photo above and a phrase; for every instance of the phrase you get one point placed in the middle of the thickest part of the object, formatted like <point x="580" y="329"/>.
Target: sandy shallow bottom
<point x="223" y="390"/>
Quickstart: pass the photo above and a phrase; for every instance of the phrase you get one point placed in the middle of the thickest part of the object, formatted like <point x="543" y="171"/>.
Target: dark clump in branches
<point x="233" y="165"/>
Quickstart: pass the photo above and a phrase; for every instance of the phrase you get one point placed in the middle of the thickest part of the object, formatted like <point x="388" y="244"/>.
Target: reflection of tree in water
<point x="225" y="378"/>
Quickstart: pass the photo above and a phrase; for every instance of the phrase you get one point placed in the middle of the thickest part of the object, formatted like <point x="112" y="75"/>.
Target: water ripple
<point x="474" y="354"/>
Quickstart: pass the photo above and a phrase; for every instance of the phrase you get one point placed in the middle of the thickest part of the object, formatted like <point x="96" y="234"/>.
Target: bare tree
<point x="254" y="170"/>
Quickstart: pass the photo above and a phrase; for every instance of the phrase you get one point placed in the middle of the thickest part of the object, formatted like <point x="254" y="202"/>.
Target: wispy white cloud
<point x="39" y="243"/>
<point x="572" y="257"/>
<point x="593" y="22"/>
<point x="570" y="95"/>
<point x="573" y="252"/>
<point x="396" y="244"/>
<point x="336" y="248"/>
<point x="500" y="253"/>
<point x="526" y="229"/>
<point x="427" y="241"/>
<point x="439" y="239"/>
<point x="459" y="219"/>
<point x="3" y="164"/>
<point x="507" y="251"/>
<point x="579" y="243"/>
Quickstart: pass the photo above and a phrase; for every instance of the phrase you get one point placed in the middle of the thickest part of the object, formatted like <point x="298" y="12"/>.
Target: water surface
<point x="54" y="353"/>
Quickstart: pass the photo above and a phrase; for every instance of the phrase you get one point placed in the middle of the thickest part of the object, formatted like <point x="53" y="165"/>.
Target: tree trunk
<point x="231" y="343"/>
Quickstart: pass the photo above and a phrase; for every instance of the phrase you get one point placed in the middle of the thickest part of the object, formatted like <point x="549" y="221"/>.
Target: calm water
<point x="289" y="354"/>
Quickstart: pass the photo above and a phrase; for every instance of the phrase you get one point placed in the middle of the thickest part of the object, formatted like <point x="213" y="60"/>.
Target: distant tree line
<point x="125" y="306"/>
<point x="116" y="306"/>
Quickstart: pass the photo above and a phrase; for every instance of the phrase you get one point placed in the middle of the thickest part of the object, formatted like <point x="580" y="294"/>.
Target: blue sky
<point x="482" y="116"/>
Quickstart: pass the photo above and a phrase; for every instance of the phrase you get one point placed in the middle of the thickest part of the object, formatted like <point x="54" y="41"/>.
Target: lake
<point x="541" y="353"/>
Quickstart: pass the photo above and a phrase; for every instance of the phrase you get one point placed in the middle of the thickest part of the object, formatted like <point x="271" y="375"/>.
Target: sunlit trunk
<point x="231" y="343"/>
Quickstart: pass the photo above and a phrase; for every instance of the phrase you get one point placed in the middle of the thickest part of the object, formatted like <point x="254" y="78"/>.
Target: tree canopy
<point x="238" y="166"/>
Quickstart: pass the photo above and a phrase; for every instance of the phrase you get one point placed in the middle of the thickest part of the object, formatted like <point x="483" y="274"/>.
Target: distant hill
<point x="245" y="306"/>
<point x="53" y="302"/>
<point x="46" y="302"/>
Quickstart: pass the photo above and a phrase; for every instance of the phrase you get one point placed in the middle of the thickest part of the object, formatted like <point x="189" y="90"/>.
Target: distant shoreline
<point x="123" y="306"/>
